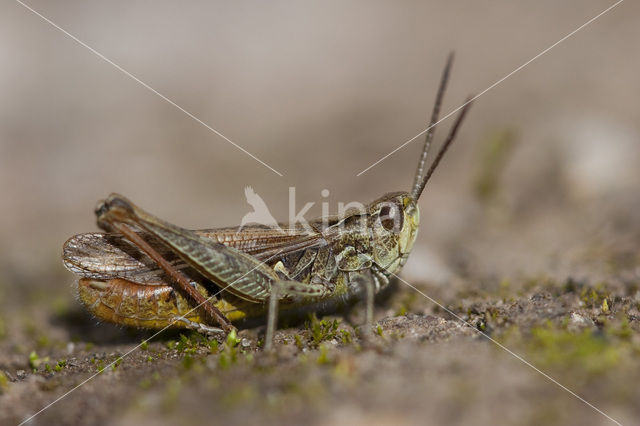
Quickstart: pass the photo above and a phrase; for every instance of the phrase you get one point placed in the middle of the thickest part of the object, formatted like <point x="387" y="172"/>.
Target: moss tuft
<point x="4" y="383"/>
<point x="584" y="350"/>
<point x="321" y="330"/>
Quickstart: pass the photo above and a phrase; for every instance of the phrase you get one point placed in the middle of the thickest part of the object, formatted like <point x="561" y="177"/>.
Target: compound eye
<point x="391" y="217"/>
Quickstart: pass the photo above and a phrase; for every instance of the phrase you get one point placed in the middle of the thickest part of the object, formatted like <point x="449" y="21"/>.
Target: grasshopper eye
<point x="391" y="217"/>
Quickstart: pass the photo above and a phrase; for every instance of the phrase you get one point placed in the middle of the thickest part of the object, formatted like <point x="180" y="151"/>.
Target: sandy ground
<point x="527" y="264"/>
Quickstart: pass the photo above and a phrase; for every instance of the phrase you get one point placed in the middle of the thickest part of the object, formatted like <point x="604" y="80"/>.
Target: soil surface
<point x="519" y="349"/>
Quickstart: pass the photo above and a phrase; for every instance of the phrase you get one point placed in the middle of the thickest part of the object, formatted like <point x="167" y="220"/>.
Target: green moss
<point x="232" y="352"/>
<point x="505" y="285"/>
<point x="584" y="350"/>
<point x="344" y="368"/>
<point x="214" y="346"/>
<point x="4" y="383"/>
<point x="43" y="341"/>
<point x="298" y="341"/>
<point x="185" y="345"/>
<point x="397" y="336"/>
<point x="116" y="364"/>
<point x="187" y="362"/>
<point x="144" y="345"/>
<point x="379" y="330"/>
<point x="405" y="303"/>
<point x="622" y="330"/>
<point x="321" y="330"/>
<point x="232" y="339"/>
<point x="173" y="390"/>
<point x="35" y="361"/>
<point x="346" y="337"/>
<point x="594" y="297"/>
<point x="227" y="359"/>
<point x="147" y="382"/>
<point x="239" y="396"/>
<point x="323" y="357"/>
<point x="229" y="355"/>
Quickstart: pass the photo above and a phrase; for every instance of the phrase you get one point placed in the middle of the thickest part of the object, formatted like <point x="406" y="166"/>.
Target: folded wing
<point x="105" y="256"/>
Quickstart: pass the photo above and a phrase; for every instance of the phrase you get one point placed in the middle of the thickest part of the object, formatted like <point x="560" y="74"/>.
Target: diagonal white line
<point x="492" y="86"/>
<point x="515" y="355"/>
<point x="64" y="395"/>
<point x="145" y="85"/>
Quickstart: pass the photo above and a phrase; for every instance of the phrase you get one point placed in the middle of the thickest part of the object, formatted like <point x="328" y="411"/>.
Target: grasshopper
<point x="146" y="272"/>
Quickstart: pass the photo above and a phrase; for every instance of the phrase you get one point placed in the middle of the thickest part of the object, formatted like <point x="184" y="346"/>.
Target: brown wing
<point x="263" y="242"/>
<point x="104" y="256"/>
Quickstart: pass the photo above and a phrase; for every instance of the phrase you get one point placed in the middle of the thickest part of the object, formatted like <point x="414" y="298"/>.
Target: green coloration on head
<point x="393" y="224"/>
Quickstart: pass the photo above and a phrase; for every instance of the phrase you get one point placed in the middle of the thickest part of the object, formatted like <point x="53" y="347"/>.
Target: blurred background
<point x="543" y="181"/>
<point x="319" y="92"/>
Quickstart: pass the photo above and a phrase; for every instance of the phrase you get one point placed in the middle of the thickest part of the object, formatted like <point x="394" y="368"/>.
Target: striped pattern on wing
<point x="103" y="256"/>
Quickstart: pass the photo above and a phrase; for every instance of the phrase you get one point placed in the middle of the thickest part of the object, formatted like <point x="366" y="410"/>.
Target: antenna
<point x="421" y="178"/>
<point x="445" y="146"/>
<point x="418" y="179"/>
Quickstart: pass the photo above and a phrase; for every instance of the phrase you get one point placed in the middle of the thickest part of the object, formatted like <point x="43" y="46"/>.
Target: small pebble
<point x="578" y="319"/>
<point x="9" y="376"/>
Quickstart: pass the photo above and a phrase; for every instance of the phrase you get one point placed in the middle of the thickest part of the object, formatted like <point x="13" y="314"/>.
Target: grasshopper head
<point x="393" y="221"/>
<point x="395" y="217"/>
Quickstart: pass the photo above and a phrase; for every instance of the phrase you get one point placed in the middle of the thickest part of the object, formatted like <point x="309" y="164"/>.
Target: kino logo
<point x="262" y="215"/>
